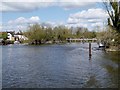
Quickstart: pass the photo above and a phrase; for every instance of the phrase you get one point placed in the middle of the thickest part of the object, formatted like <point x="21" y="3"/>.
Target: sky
<point x="17" y="14"/>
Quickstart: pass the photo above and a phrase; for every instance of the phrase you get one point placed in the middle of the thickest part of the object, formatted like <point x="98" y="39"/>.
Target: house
<point x="16" y="37"/>
<point x="10" y="35"/>
<point x="20" y="37"/>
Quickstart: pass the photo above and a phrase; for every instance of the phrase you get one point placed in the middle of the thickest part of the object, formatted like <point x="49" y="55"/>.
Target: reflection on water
<point x="58" y="66"/>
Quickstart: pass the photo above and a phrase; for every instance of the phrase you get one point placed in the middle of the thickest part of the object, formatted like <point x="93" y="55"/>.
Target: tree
<point x="48" y="34"/>
<point x="79" y="32"/>
<point x="62" y="32"/>
<point x="35" y="33"/>
<point x="113" y="9"/>
<point x="3" y="35"/>
<point x="109" y="37"/>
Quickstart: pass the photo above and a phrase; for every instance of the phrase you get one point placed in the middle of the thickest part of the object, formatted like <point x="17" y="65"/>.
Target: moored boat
<point x="101" y="45"/>
<point x="16" y="42"/>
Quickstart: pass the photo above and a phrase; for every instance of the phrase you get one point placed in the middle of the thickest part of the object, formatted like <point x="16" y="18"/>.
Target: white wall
<point x="9" y="36"/>
<point x="21" y="37"/>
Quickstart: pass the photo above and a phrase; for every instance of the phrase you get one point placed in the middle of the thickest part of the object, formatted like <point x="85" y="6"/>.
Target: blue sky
<point x="16" y="15"/>
<point x="52" y="13"/>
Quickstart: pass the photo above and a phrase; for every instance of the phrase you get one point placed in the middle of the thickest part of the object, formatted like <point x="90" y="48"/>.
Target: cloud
<point x="77" y="4"/>
<point x="14" y="28"/>
<point x="96" y="24"/>
<point x="29" y="1"/>
<point x="34" y="19"/>
<point x="21" y="23"/>
<point x="22" y="20"/>
<point x="52" y="1"/>
<point x="94" y="20"/>
<point x="23" y="6"/>
<point x="91" y="17"/>
<point x="19" y="20"/>
<point x="86" y="18"/>
<point x="94" y="13"/>
<point x="21" y="27"/>
<point x="52" y="24"/>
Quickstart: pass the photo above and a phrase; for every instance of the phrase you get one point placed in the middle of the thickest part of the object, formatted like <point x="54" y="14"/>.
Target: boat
<point x="16" y="42"/>
<point x="101" y="45"/>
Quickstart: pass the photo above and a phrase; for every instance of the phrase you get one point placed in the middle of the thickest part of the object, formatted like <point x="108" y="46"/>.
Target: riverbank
<point x="110" y="49"/>
<point x="6" y="42"/>
<point x="113" y="49"/>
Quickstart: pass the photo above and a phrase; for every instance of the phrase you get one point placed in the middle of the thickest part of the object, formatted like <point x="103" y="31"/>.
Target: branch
<point x="108" y="11"/>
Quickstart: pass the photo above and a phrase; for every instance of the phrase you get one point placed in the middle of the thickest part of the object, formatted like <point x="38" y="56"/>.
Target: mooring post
<point x="90" y="54"/>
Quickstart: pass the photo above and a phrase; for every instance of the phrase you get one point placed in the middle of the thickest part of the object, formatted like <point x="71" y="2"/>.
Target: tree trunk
<point x="39" y="41"/>
<point x="35" y="42"/>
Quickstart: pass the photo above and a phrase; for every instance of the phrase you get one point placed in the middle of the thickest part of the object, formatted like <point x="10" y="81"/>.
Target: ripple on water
<point x="56" y="66"/>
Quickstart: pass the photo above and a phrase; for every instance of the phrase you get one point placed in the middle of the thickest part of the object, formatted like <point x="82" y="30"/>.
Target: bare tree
<point x="113" y="10"/>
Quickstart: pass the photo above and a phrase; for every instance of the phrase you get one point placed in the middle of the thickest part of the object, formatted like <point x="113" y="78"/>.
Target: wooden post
<point x="90" y="54"/>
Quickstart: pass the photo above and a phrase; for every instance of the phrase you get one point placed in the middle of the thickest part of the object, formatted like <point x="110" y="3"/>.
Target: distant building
<point x="10" y="35"/>
<point x="20" y="37"/>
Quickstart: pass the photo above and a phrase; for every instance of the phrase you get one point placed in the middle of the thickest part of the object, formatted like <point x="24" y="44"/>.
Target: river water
<point x="58" y="66"/>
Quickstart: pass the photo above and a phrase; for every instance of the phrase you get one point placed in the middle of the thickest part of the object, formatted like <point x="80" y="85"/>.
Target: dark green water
<point x="58" y="66"/>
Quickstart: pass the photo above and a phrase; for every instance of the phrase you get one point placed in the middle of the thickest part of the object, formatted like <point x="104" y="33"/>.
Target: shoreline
<point x="61" y="43"/>
<point x="112" y="50"/>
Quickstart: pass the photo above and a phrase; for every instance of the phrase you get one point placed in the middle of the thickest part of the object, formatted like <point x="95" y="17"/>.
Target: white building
<point x="10" y="36"/>
<point x="19" y="37"/>
<point x="15" y="37"/>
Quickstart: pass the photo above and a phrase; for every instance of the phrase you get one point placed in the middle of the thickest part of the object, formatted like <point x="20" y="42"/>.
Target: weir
<point x="82" y="40"/>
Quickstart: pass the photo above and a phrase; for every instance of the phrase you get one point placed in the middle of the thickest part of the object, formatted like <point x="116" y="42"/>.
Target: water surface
<point x="58" y="66"/>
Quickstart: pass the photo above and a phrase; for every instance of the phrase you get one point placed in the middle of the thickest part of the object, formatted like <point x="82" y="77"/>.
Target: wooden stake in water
<point x="90" y="54"/>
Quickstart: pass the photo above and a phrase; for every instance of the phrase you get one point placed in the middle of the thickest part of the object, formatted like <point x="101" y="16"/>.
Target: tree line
<point x="38" y="34"/>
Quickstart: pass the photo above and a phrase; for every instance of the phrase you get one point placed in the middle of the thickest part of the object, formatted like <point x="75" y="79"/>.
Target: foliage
<point x="3" y="35"/>
<point x="84" y="33"/>
<point x="39" y="34"/>
<point x="63" y="33"/>
<point x="109" y="37"/>
<point x="35" y="33"/>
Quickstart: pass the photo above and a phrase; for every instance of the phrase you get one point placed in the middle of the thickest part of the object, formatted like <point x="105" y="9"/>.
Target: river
<point x="58" y="66"/>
